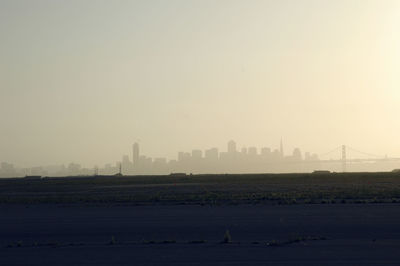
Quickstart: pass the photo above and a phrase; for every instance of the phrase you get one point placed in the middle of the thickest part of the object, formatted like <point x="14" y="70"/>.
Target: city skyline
<point x="81" y="80"/>
<point x="239" y="148"/>
<point x="215" y="152"/>
<point x="199" y="132"/>
<point x="232" y="159"/>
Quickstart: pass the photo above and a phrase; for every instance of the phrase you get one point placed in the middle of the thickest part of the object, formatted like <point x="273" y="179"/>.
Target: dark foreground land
<point x="207" y="189"/>
<point x="293" y="219"/>
<point x="341" y="234"/>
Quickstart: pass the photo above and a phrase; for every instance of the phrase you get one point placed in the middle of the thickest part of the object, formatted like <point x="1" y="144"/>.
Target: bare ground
<point x="315" y="234"/>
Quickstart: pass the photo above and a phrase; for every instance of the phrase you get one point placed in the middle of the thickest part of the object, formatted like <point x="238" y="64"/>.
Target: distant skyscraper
<point x="197" y="154"/>
<point x="135" y="157"/>
<point x="181" y="156"/>
<point x="211" y="154"/>
<point x="231" y="147"/>
<point x="184" y="156"/>
<point x="281" y="148"/>
<point x="297" y="154"/>
<point x="126" y="164"/>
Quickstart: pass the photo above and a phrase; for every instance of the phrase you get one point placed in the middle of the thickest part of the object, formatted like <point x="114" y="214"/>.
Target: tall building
<point x="211" y="154"/>
<point x="281" y="148"/>
<point x="126" y="164"/>
<point x="136" y="155"/>
<point x="197" y="154"/>
<point x="231" y="147"/>
<point x="297" y="154"/>
<point x="181" y="156"/>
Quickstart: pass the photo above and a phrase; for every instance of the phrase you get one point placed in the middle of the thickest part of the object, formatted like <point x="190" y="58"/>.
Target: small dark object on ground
<point x="113" y="241"/>
<point x="227" y="237"/>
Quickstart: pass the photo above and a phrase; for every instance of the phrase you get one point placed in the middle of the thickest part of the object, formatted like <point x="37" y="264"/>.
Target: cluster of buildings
<point x="72" y="169"/>
<point x="245" y="160"/>
<point x="210" y="161"/>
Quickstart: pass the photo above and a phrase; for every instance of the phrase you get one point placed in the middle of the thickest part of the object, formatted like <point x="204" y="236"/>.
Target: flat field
<point x="208" y="189"/>
<point x="285" y="219"/>
<point x="313" y="234"/>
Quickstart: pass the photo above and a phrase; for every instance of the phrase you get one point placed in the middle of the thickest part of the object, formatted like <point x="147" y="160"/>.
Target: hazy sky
<point x="82" y="80"/>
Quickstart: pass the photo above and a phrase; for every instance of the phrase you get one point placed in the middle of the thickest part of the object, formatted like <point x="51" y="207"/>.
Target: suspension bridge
<point x="341" y="154"/>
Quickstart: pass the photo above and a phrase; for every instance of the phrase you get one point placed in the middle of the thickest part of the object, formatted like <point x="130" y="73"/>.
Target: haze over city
<point x="81" y="80"/>
<point x="199" y="132"/>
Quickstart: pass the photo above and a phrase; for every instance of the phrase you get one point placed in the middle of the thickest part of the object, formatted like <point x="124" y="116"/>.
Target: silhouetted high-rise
<point x="197" y="154"/>
<point x="211" y="154"/>
<point x="136" y="155"/>
<point x="231" y="147"/>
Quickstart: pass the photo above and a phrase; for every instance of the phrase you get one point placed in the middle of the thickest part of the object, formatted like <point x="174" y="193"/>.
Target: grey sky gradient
<point x="82" y="80"/>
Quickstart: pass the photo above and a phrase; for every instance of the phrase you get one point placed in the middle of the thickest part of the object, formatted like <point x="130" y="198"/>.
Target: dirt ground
<point x="311" y="234"/>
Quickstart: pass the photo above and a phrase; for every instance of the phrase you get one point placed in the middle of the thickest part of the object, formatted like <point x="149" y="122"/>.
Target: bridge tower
<point x="344" y="158"/>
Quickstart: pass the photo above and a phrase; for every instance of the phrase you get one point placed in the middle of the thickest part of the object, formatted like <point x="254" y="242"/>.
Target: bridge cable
<point x="365" y="153"/>
<point x="329" y="152"/>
